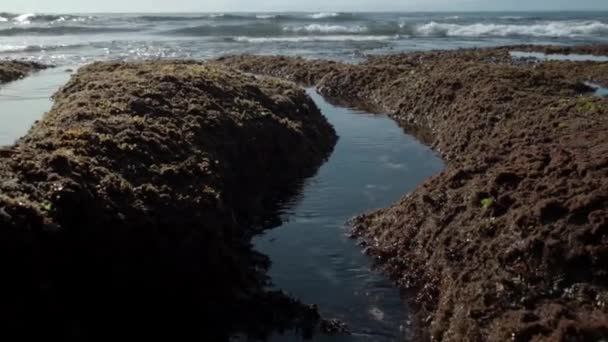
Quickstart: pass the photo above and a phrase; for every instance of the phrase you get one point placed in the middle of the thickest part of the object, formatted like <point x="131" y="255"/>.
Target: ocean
<point x="75" y="39"/>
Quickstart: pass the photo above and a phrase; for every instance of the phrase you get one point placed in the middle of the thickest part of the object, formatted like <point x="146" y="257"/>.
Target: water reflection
<point x="23" y="102"/>
<point x="373" y="165"/>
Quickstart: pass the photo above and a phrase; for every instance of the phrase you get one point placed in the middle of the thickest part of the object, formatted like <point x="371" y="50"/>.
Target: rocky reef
<point x="128" y="209"/>
<point x="510" y="242"/>
<point x="14" y="70"/>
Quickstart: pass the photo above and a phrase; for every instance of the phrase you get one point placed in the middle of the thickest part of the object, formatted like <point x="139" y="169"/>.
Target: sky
<point x="63" y="6"/>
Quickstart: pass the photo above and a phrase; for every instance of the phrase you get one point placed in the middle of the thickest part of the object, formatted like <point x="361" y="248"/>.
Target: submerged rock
<point x="128" y="209"/>
<point x="510" y="241"/>
<point x="14" y="70"/>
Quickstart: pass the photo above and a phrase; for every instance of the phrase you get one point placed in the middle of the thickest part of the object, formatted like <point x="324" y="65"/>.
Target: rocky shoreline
<point x="510" y="242"/>
<point x="128" y="209"/>
<point x="14" y="70"/>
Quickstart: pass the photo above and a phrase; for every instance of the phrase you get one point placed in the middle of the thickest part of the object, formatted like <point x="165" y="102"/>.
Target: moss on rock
<point x="529" y="136"/>
<point x="128" y="209"/>
<point x="14" y="70"/>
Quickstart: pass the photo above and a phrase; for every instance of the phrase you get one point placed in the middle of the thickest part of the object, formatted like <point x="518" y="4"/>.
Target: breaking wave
<point x="431" y="29"/>
<point x="326" y="29"/>
<point x="281" y="25"/>
<point x="37" y="48"/>
<point x="331" y="38"/>
<point x="547" y="29"/>
<point x="29" y="18"/>
<point x="324" y="15"/>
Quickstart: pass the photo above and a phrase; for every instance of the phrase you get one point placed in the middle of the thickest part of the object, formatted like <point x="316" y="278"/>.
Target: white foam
<point x="342" y="38"/>
<point x="3" y="19"/>
<point x="547" y="29"/>
<point x="324" y="15"/>
<point x="318" y="28"/>
<point x="12" y="48"/>
<point x="24" y="18"/>
<point x="559" y="57"/>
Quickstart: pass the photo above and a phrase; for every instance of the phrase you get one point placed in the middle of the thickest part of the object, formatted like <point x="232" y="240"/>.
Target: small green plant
<point x="486" y="203"/>
<point x="586" y="105"/>
<point x="46" y="206"/>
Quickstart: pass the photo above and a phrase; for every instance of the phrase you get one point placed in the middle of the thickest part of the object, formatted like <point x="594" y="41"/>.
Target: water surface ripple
<point x="373" y="165"/>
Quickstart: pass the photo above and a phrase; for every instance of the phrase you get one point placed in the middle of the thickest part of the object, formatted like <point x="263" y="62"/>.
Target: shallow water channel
<point x="24" y="101"/>
<point x="573" y="57"/>
<point x="373" y="165"/>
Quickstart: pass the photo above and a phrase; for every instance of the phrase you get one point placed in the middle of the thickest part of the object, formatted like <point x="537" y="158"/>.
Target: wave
<point x="277" y="30"/>
<point x="42" y="18"/>
<point x="157" y="18"/>
<point x="330" y="38"/>
<point x="214" y="17"/>
<point x="6" y="15"/>
<point x="256" y="30"/>
<point x="548" y="29"/>
<point x="333" y="16"/>
<point x="266" y="16"/>
<point x="275" y="17"/>
<point x="28" y="18"/>
<point x="37" y="48"/>
<point x="326" y="29"/>
<point x="559" y="29"/>
<point x="324" y="15"/>
<point x="330" y="17"/>
<point x="60" y="30"/>
<point x="274" y="29"/>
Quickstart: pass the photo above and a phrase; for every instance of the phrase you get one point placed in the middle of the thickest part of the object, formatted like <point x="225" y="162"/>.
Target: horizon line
<point x="319" y="11"/>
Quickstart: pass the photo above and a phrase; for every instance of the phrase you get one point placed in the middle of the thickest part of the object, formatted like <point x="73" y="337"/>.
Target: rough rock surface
<point x="128" y="209"/>
<point x="510" y="242"/>
<point x="597" y="50"/>
<point x="14" y="70"/>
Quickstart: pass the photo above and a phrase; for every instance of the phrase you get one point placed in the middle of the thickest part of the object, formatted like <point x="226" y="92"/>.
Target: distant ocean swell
<point x="29" y="18"/>
<point x="38" y="48"/>
<point x="61" y="30"/>
<point x="235" y="26"/>
<point x="327" y="17"/>
<point x="431" y="29"/>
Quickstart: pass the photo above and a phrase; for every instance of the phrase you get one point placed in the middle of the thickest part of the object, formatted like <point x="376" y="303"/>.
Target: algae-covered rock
<point x="127" y="210"/>
<point x="14" y="70"/>
<point x="510" y="242"/>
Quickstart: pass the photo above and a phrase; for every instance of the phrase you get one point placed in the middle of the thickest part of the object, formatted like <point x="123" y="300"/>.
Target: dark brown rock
<point x="510" y="241"/>
<point x="14" y="70"/>
<point x="128" y="209"/>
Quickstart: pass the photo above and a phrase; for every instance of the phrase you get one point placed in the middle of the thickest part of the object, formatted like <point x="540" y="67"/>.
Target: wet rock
<point x="333" y="327"/>
<point x="128" y="209"/>
<point x="14" y="70"/>
<point x="520" y="214"/>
